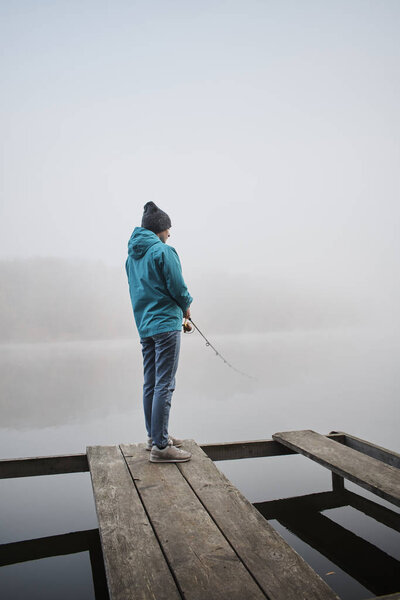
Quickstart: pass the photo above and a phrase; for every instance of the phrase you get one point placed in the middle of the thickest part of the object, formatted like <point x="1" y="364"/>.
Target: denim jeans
<point x="160" y="362"/>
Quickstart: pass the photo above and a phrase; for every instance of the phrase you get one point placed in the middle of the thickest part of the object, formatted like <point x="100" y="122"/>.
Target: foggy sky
<point x="268" y="131"/>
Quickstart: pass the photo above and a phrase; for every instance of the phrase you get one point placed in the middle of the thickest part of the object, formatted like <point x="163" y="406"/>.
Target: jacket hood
<point x="140" y="241"/>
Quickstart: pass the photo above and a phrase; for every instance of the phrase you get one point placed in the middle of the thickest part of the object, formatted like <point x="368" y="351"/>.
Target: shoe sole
<point x="170" y="460"/>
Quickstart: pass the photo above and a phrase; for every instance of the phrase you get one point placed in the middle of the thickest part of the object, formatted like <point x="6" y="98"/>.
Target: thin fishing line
<point x="220" y="355"/>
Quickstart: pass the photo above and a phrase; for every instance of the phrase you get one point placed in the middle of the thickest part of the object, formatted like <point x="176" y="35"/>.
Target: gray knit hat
<point x="154" y="218"/>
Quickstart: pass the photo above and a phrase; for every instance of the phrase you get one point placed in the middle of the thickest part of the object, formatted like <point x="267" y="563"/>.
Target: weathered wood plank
<point x="387" y="456"/>
<point x="204" y="564"/>
<point x="136" y="568"/>
<point x="43" y="465"/>
<point x="245" y="449"/>
<point x="77" y="463"/>
<point x="278" y="569"/>
<point x="251" y="448"/>
<point x="368" y="472"/>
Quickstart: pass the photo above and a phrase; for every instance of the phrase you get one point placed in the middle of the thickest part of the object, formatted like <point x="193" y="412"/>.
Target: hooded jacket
<point x="157" y="289"/>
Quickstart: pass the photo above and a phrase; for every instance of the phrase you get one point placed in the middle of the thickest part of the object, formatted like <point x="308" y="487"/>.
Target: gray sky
<point x="268" y="131"/>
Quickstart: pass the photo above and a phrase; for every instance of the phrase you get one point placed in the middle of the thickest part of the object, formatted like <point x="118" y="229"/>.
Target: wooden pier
<point x="183" y="530"/>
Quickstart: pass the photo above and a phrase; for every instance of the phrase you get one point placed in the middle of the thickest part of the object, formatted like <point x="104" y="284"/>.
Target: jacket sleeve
<point x="172" y="271"/>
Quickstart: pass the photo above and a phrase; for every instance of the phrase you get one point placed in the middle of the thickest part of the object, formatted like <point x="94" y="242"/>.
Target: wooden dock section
<point x="183" y="530"/>
<point x="368" y="472"/>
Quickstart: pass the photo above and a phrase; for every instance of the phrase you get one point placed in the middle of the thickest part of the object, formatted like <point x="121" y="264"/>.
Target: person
<point x="160" y="300"/>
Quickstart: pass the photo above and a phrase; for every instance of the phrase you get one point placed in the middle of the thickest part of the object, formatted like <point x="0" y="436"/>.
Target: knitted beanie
<point x="154" y="218"/>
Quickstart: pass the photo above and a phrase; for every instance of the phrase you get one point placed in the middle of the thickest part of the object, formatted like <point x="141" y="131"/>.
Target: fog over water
<point x="269" y="133"/>
<point x="70" y="357"/>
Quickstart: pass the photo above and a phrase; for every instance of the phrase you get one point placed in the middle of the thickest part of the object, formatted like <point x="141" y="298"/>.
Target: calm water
<point x="61" y="397"/>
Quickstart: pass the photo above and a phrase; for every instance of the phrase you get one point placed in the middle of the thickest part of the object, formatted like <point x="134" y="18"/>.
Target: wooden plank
<point x="279" y="571"/>
<point x="251" y="448"/>
<point x="43" y="465"/>
<point x="77" y="463"/>
<point x="136" y="568"/>
<point x="368" y="472"/>
<point x="387" y="456"/>
<point x="245" y="449"/>
<point x="204" y="564"/>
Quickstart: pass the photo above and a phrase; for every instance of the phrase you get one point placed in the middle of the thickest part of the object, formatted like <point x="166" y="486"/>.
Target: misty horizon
<point x="50" y="299"/>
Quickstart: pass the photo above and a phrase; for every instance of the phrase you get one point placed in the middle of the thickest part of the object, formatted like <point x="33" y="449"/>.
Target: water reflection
<point x="57" y="545"/>
<point x="64" y="396"/>
<point x="373" y="568"/>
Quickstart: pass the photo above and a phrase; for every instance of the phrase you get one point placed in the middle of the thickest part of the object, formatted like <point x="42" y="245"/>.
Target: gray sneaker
<point x="169" y="454"/>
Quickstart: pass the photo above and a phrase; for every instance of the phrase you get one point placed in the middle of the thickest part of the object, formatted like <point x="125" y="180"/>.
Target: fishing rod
<point x="187" y="329"/>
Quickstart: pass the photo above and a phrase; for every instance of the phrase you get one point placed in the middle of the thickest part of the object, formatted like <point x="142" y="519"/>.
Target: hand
<point x="186" y="314"/>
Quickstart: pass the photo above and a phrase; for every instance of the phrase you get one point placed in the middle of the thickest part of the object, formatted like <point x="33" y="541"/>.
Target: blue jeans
<point x="160" y="362"/>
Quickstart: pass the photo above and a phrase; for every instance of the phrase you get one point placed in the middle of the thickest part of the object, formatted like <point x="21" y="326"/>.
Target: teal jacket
<point x="158" y="292"/>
